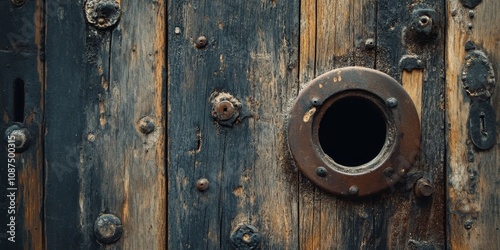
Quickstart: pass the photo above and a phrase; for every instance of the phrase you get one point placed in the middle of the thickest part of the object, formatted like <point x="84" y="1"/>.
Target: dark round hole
<point x="352" y="131"/>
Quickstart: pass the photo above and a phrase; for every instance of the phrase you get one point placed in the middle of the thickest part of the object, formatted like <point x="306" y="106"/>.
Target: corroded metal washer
<point x="384" y="94"/>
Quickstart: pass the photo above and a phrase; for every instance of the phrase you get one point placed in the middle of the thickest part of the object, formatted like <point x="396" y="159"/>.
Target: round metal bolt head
<point x="370" y="43"/>
<point x="18" y="3"/>
<point x="225" y="108"/>
<point x="108" y="228"/>
<point x="146" y="125"/>
<point x="201" y="42"/>
<point x="224" y="111"/>
<point x="202" y="184"/>
<point x="353" y="190"/>
<point x="468" y="224"/>
<point x="424" y="21"/>
<point x="20" y="136"/>
<point x="321" y="171"/>
<point x="315" y="102"/>
<point x="392" y="102"/>
<point x="246" y="237"/>
<point x="423" y="188"/>
<point x="102" y="13"/>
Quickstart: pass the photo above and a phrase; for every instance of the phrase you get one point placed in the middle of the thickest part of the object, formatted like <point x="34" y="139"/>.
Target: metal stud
<point x="20" y="136"/>
<point x="102" y="13"/>
<point x="146" y="125"/>
<point x="108" y="228"/>
<point x="202" y="184"/>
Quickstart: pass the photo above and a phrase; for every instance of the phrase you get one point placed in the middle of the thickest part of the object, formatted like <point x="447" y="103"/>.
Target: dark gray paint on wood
<point x="239" y="35"/>
<point x="21" y="58"/>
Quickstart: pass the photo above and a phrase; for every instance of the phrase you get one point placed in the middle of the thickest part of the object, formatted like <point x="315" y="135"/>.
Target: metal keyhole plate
<point x="354" y="131"/>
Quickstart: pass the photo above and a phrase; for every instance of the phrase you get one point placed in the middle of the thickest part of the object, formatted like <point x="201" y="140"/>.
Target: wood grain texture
<point x="21" y="52"/>
<point x="412" y="82"/>
<point x="94" y="147"/>
<point x="418" y="222"/>
<point x="252" y="53"/>
<point x="395" y="219"/>
<point x="338" y="31"/>
<point x="473" y="198"/>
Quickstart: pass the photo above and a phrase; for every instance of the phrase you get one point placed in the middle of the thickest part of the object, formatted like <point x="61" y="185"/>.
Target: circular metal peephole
<point x="353" y="128"/>
<point x="354" y="131"/>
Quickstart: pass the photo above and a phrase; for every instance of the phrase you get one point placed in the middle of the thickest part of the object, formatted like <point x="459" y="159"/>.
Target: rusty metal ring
<point x="384" y="95"/>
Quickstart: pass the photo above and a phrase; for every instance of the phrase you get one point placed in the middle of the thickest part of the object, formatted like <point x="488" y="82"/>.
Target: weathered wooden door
<point x="165" y="124"/>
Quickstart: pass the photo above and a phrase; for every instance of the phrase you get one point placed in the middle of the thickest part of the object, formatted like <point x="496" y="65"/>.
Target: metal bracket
<point x="478" y="81"/>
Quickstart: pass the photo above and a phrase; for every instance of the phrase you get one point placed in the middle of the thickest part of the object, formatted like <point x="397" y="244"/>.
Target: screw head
<point x="353" y="190"/>
<point x="108" y="228"/>
<point x="201" y="42"/>
<point x="423" y="25"/>
<point x="246" y="237"/>
<point x="146" y="125"/>
<point x="202" y="184"/>
<point x="315" y="101"/>
<point x="370" y="43"/>
<point x="225" y="108"/>
<point x="224" y="111"/>
<point x="392" y="102"/>
<point x="20" y="136"/>
<point x="321" y="171"/>
<point x="424" y="21"/>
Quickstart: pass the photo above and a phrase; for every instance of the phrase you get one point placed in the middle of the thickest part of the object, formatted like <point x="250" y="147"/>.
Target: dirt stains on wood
<point x="472" y="174"/>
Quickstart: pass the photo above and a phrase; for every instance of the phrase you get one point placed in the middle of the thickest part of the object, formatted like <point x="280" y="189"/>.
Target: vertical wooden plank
<point x="136" y="89"/>
<point x="417" y="222"/>
<point x="338" y="30"/>
<point x="472" y="173"/>
<point x="74" y="52"/>
<point x="98" y="91"/>
<point x="396" y="218"/>
<point x="251" y="54"/>
<point x="21" y="104"/>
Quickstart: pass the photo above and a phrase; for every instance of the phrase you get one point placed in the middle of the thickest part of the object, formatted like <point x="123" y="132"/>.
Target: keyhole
<point x="19" y="97"/>
<point x="483" y="125"/>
